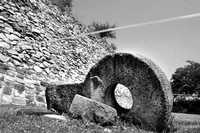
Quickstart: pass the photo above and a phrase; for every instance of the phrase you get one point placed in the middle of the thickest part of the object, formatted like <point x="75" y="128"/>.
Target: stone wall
<point x="18" y="90"/>
<point x="31" y="55"/>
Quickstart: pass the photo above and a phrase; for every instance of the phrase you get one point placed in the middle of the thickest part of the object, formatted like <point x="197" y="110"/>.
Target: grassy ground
<point x="39" y="124"/>
<point x="186" y="123"/>
<point x="10" y="123"/>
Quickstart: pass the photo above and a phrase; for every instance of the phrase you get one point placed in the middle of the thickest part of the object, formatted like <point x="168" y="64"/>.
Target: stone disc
<point x="151" y="92"/>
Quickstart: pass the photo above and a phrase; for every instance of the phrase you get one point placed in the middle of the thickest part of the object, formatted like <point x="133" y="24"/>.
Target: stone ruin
<point x="25" y="44"/>
<point x="30" y="56"/>
<point x="93" y="111"/>
<point x="59" y="97"/>
<point x="151" y="95"/>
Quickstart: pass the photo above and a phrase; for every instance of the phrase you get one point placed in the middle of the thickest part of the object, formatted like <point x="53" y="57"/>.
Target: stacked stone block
<point x="30" y="52"/>
<point x="21" y="91"/>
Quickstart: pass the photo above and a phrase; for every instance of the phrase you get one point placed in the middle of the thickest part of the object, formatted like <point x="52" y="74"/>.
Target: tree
<point x="95" y="26"/>
<point x="62" y="4"/>
<point x="186" y="80"/>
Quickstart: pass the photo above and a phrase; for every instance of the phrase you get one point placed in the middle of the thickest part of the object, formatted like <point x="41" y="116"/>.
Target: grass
<point x="12" y="123"/>
<point x="187" y="127"/>
<point x="186" y="123"/>
<point x="40" y="124"/>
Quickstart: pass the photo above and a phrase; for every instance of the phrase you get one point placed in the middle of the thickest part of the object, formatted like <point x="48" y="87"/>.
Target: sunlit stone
<point x="123" y="96"/>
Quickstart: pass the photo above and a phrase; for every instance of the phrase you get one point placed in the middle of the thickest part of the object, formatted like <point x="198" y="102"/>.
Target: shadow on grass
<point x="40" y="124"/>
<point x="23" y="123"/>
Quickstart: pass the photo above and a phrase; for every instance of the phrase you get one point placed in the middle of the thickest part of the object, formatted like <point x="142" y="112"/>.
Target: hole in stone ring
<point x="119" y="97"/>
<point x="123" y="96"/>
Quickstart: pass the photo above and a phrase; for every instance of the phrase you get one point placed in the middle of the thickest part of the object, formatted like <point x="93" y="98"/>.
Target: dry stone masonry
<point x="15" y="89"/>
<point x="32" y="59"/>
<point x="30" y="56"/>
<point x="59" y="97"/>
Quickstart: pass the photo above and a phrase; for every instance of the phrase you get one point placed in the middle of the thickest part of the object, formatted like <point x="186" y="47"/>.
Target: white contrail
<point x="136" y="25"/>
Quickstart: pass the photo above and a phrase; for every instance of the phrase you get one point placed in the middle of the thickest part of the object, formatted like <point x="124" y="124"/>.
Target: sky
<point x="168" y="45"/>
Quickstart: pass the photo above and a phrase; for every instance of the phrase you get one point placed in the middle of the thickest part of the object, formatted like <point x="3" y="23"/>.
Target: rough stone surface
<point x="6" y="99"/>
<point x="91" y="110"/>
<point x="21" y="92"/>
<point x="149" y="87"/>
<point x="18" y="101"/>
<point x="3" y="58"/>
<point x="29" y="52"/>
<point x="96" y="88"/>
<point x="59" y="97"/>
<point x="123" y="96"/>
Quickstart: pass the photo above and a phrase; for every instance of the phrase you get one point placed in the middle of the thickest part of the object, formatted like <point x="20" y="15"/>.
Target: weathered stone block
<point x="12" y="37"/>
<point x="92" y="110"/>
<point x="12" y="52"/>
<point x="37" y="69"/>
<point x="6" y="99"/>
<point x="1" y="77"/>
<point x="40" y="99"/>
<point x="7" y="90"/>
<point x="11" y="73"/>
<point x="44" y="84"/>
<point x="19" y="87"/>
<point x="40" y="104"/>
<point x="21" y="76"/>
<point x="59" y="97"/>
<point x="3" y="58"/>
<point x="16" y="93"/>
<point x="3" y="68"/>
<point x="30" y="99"/>
<point x="4" y="45"/>
<point x="18" y="101"/>
<point x="38" y="88"/>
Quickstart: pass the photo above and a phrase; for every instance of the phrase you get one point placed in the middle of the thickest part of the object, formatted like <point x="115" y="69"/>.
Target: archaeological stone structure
<point x="92" y="110"/>
<point x="30" y="58"/>
<point x="32" y="63"/>
<point x="150" y="92"/>
<point x="59" y="97"/>
<point x="148" y="85"/>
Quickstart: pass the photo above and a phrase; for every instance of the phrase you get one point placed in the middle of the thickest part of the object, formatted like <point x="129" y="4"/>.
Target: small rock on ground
<point x="59" y="117"/>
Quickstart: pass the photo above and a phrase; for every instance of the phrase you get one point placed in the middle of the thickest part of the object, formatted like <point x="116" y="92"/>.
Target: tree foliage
<point x="62" y="4"/>
<point x="95" y="26"/>
<point x="186" y="80"/>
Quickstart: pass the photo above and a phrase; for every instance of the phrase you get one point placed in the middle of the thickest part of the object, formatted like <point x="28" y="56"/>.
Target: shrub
<point x="95" y="26"/>
<point x="186" y="104"/>
<point x="62" y="4"/>
<point x="186" y="80"/>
